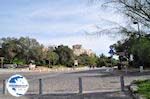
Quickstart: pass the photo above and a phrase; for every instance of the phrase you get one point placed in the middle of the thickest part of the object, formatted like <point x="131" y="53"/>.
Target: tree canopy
<point x="137" y="10"/>
<point x="23" y="50"/>
<point x="66" y="56"/>
<point x="139" y="48"/>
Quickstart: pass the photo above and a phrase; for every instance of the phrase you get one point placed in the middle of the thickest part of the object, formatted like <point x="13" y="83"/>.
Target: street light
<point x="138" y="27"/>
<point x="141" y="67"/>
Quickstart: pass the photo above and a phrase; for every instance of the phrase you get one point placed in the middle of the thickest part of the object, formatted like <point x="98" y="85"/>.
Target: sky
<point x="55" y="22"/>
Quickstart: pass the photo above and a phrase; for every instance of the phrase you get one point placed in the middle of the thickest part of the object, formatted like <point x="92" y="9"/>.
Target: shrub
<point x="18" y="61"/>
<point x="143" y="87"/>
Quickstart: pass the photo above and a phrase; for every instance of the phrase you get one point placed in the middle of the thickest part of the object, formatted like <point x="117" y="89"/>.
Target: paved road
<point x="105" y="85"/>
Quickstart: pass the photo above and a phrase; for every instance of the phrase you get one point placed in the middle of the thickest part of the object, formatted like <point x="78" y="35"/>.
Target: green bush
<point x="39" y="63"/>
<point x="18" y="61"/>
<point x="143" y="88"/>
<point x="101" y="63"/>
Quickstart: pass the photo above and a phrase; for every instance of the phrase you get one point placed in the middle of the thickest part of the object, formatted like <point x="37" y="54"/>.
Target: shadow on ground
<point x="89" y="71"/>
<point x="98" y="95"/>
<point x="115" y="73"/>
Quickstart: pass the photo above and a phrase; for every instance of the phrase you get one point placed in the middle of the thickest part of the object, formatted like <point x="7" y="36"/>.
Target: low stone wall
<point x="133" y="91"/>
<point x="9" y="65"/>
<point x="43" y="69"/>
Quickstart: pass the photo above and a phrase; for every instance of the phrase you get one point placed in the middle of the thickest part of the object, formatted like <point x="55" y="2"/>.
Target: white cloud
<point x="62" y="22"/>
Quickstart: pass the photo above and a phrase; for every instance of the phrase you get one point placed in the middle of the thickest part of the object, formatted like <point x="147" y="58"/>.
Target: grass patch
<point x="143" y="88"/>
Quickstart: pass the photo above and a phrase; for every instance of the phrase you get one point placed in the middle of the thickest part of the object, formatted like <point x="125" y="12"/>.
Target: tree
<point x="137" y="10"/>
<point x="66" y="56"/>
<point x="141" y="52"/>
<point x="93" y="60"/>
<point x="53" y="57"/>
<point x="140" y="48"/>
<point x="24" y="49"/>
<point x="10" y="48"/>
<point x="102" y="60"/>
<point x="84" y="59"/>
<point x="31" y="49"/>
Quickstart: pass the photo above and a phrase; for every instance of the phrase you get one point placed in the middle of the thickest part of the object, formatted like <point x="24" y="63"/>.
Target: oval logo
<point x="17" y="85"/>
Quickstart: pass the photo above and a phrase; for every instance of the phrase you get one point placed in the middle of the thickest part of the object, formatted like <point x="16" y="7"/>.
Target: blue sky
<point x="54" y="22"/>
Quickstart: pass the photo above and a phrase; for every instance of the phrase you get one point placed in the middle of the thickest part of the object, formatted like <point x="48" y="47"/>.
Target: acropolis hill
<point x="78" y="50"/>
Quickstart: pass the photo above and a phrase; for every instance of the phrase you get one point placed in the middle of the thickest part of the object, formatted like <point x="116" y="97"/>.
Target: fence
<point x="70" y="85"/>
<point x="55" y="85"/>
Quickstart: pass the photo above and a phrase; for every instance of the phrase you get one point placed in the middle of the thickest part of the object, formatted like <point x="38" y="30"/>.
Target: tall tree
<point x="25" y="49"/>
<point x="137" y="10"/>
<point x="10" y="48"/>
<point x="53" y="58"/>
<point x="139" y="48"/>
<point x="31" y="49"/>
<point x="66" y="56"/>
<point x="83" y="59"/>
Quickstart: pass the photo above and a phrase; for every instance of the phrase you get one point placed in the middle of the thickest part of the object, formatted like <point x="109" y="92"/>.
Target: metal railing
<point x="67" y="85"/>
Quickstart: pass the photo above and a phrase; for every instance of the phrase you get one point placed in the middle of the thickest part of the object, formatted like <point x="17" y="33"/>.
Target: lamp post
<point x="139" y="33"/>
